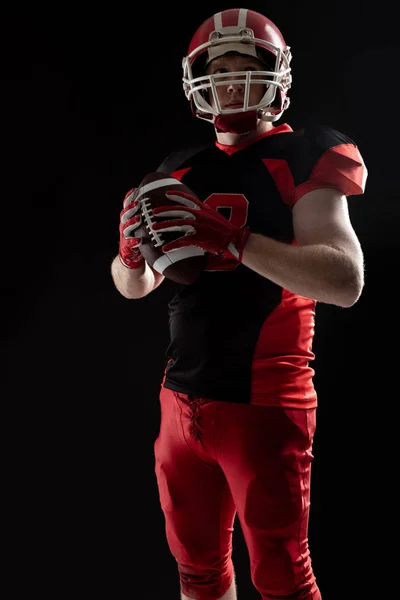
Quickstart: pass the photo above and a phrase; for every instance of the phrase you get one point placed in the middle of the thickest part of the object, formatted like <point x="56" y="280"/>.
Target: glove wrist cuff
<point x="237" y="243"/>
<point x="130" y="264"/>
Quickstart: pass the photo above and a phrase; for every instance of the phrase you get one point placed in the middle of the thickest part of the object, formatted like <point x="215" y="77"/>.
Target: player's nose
<point x="235" y="87"/>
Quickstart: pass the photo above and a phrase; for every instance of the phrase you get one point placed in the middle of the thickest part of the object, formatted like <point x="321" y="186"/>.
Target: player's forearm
<point x="318" y="271"/>
<point x="132" y="283"/>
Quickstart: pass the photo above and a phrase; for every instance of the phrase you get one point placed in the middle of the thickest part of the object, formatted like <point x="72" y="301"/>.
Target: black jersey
<point x="235" y="335"/>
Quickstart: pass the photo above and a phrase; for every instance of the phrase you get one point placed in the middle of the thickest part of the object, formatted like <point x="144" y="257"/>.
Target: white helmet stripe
<point x="242" y="17"/>
<point x="218" y="21"/>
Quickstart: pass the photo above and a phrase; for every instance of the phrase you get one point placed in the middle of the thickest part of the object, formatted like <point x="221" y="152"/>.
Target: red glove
<point x="203" y="226"/>
<point x="129" y="252"/>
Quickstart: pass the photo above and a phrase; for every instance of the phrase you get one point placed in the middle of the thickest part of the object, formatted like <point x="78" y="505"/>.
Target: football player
<point x="238" y="403"/>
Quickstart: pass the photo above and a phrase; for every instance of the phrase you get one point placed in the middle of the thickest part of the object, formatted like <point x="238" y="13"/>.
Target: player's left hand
<point x="206" y="228"/>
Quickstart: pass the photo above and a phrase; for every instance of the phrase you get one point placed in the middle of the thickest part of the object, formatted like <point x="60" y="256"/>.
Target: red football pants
<point x="215" y="459"/>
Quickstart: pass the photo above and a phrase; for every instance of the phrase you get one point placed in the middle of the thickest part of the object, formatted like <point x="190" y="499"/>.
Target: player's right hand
<point x="130" y="220"/>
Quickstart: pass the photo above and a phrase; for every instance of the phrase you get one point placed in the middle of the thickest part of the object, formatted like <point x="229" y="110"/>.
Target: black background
<point x="92" y="101"/>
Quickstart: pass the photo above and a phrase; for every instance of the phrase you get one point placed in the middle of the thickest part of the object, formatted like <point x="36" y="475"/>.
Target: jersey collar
<point x="284" y="128"/>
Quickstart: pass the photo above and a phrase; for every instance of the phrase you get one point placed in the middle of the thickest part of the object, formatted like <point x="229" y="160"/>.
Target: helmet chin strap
<point x="237" y="123"/>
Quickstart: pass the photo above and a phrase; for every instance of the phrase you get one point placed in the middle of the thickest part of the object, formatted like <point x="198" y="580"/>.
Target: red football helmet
<point x="247" y="32"/>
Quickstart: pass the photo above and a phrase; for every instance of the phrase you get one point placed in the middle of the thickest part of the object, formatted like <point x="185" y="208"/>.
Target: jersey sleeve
<point x="335" y="162"/>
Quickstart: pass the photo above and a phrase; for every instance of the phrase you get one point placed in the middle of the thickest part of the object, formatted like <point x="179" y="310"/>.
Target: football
<point x="183" y="265"/>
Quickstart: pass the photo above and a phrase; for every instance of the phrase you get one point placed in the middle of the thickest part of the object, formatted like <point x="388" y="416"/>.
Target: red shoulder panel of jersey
<point x="339" y="166"/>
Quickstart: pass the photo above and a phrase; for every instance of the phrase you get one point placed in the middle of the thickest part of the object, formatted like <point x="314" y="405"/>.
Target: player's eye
<point x="225" y="70"/>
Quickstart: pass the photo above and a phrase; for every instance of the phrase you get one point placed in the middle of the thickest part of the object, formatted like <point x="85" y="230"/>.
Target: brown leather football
<point x="183" y="265"/>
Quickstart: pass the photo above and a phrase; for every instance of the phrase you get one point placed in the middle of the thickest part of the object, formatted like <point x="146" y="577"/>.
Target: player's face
<point x="231" y="96"/>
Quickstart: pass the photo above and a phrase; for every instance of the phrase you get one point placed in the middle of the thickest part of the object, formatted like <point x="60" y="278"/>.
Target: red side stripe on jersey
<point x="281" y="371"/>
<point x="340" y="167"/>
<point x="280" y="172"/>
<point x="180" y="173"/>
